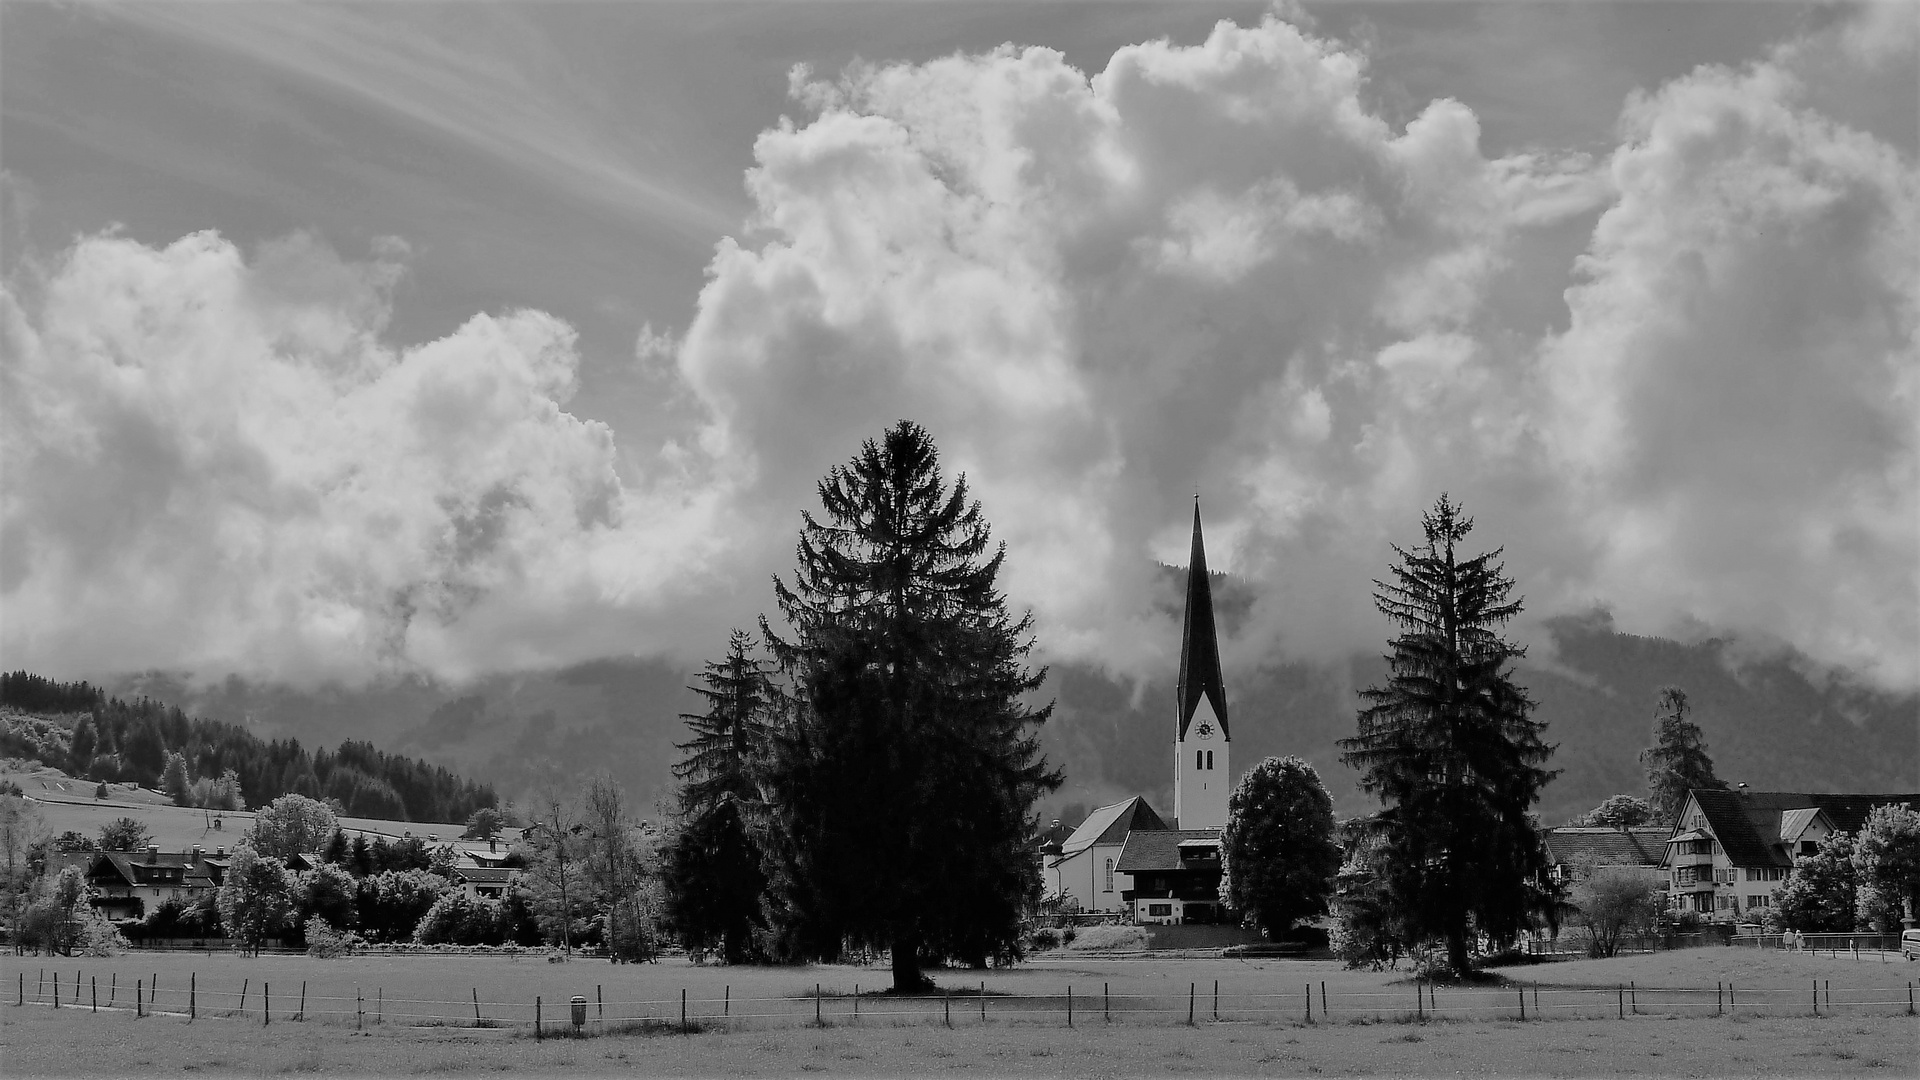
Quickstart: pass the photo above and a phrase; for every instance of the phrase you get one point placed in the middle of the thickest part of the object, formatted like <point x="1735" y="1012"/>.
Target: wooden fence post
<point x="113" y="988"/>
<point x="1622" y="992"/>
<point x="193" y="995"/>
<point x="1419" y="1001"/>
<point x="536" y="1018"/>
<point x="983" y="1001"/>
<point x="816" y="1005"/>
<point x="243" y="996"/>
<point x="1719" y="1007"/>
<point x="359" y="1010"/>
<point x="726" y="1000"/>
<point x="1216" y="999"/>
<point x="1523" y="1002"/>
<point x="56" y="988"/>
<point x="23" y="988"/>
<point x="600" y="1003"/>
<point x="1106" y="1002"/>
<point x="1190" y="992"/>
<point x="380" y="1005"/>
<point x="1816" y="993"/>
<point x="1309" y="1003"/>
<point x="1633" y="997"/>
<point x="1323" y="998"/>
<point x="476" y="1007"/>
<point x="1069" y="1004"/>
<point x="94" y="982"/>
<point x="266" y="1003"/>
<point x="40" y="988"/>
<point x="138" y="1007"/>
<point x="302" y="1014"/>
<point x="683" y="1005"/>
<point x="947" y="1003"/>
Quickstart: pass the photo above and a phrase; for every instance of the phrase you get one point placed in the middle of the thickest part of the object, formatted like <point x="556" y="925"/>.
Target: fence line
<point x="1310" y="1002"/>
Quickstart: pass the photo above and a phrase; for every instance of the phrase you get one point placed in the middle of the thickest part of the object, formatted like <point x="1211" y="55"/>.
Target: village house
<point x="128" y="884"/>
<point x="1730" y="851"/>
<point x="1572" y="847"/>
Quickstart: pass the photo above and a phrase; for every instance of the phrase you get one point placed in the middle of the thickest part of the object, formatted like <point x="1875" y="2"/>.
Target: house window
<point x="1762" y="900"/>
<point x="1808" y="847"/>
<point x="1159" y="910"/>
<point x="1753" y="873"/>
<point x="1109" y="875"/>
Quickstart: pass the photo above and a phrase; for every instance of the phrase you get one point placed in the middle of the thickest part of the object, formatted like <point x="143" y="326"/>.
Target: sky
<point x="346" y="342"/>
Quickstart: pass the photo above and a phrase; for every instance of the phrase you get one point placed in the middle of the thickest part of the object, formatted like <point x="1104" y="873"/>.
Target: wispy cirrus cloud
<point x="491" y="82"/>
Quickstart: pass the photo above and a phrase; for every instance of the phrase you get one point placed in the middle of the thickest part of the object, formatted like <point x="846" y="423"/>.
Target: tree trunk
<point x="907" y="978"/>
<point x="1457" y="952"/>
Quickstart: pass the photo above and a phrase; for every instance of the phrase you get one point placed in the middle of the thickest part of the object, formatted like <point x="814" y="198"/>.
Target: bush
<point x="98" y="936"/>
<point x="1103" y="938"/>
<point x="1046" y="937"/>
<point x="324" y="942"/>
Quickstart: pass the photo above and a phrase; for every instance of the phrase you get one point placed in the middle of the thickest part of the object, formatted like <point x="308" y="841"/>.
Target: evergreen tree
<point x="1619" y="812"/>
<point x="711" y="866"/>
<point x="124" y="834"/>
<point x="901" y="789"/>
<point x="1450" y="748"/>
<point x="174" y="779"/>
<point x="1678" y="759"/>
<point x="1278" y="851"/>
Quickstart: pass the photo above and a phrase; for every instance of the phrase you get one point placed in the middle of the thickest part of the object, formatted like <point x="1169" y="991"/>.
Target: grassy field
<point x="1263" y="1029"/>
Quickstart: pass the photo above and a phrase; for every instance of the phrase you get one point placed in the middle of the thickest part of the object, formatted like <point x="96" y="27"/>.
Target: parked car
<point x="1910" y="944"/>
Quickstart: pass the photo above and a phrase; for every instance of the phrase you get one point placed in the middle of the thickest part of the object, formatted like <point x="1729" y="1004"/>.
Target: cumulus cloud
<point x="215" y="464"/>
<point x="1205" y="267"/>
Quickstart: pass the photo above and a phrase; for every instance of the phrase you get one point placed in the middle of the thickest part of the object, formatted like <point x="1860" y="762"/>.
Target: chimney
<point x="493" y="845"/>
<point x="153" y="853"/>
<point x="195" y="853"/>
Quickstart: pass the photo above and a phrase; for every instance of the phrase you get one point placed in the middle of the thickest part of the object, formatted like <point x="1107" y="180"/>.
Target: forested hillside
<point x="1770" y="721"/>
<point x="76" y="727"/>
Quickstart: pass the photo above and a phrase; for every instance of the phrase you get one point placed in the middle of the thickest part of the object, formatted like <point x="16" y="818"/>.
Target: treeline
<point x="155" y="745"/>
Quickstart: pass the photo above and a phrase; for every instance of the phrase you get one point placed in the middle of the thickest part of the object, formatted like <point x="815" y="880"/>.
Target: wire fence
<point x="1073" y="1004"/>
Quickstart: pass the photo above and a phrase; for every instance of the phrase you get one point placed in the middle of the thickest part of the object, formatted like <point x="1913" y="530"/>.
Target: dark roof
<point x="138" y="868"/>
<point x="485" y="875"/>
<point x="1747" y="823"/>
<point x="1199" y="645"/>
<point x="1159" y="849"/>
<point x="1634" y="847"/>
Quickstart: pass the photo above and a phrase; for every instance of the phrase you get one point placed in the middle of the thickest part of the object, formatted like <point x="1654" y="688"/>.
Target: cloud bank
<point x="1677" y="381"/>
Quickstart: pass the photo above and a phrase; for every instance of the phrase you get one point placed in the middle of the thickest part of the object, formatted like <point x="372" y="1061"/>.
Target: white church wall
<point x="1085" y="877"/>
<point x="1202" y="775"/>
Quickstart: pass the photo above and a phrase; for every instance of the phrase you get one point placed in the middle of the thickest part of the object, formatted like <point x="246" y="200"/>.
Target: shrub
<point x="1046" y="937"/>
<point x="324" y="942"/>
<point x="98" y="936"/>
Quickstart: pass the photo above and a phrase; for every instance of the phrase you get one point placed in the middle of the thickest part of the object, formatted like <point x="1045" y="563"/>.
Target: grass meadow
<point x="1130" y="1018"/>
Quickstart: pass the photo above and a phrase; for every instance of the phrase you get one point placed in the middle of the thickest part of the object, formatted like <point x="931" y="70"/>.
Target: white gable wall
<point x="1084" y="877"/>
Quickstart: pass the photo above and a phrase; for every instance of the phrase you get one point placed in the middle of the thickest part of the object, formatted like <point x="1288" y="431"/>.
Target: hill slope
<point x="1767" y="723"/>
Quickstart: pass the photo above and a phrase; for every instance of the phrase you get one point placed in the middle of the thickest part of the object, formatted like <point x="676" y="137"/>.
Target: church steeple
<point x="1199" y="646"/>
<point x="1202" y="748"/>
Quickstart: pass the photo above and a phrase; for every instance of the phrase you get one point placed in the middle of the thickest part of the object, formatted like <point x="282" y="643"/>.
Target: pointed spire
<point x="1199" y="646"/>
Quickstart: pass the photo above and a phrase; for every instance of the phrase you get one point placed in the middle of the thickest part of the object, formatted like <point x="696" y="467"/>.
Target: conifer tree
<point x="902" y="787"/>
<point x="711" y="870"/>
<point x="1678" y="759"/>
<point x="1450" y="748"/>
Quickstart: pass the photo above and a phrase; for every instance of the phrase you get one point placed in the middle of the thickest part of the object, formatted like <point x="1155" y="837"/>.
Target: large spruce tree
<point x="1450" y="747"/>
<point x="1677" y="761"/>
<point x="711" y="872"/>
<point x="902" y="787"/>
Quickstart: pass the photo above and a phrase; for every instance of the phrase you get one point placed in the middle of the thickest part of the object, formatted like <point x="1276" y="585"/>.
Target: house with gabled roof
<point x="1571" y="847"/>
<point x="128" y="884"/>
<point x="1730" y="851"/>
<point x="1175" y="875"/>
<point x="1087" y="868"/>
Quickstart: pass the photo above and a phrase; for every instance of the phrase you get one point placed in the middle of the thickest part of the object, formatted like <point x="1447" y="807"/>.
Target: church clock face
<point x="1205" y="729"/>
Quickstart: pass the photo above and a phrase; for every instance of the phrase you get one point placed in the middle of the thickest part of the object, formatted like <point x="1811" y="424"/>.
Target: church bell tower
<point x="1202" y="769"/>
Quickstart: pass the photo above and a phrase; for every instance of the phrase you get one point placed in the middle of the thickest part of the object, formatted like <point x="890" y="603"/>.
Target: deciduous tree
<point x="1278" y="851"/>
<point x="1611" y="901"/>
<point x="902" y="788"/>
<point x="1450" y="747"/>
<point x="124" y="834"/>
<point x="256" y="897"/>
<point x="1819" y="895"/>
<point x="1620" y="812"/>
<point x="1886" y="862"/>
<point x="293" y="825"/>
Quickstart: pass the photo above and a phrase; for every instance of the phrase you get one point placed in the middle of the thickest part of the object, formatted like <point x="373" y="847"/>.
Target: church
<point x="1125" y="858"/>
